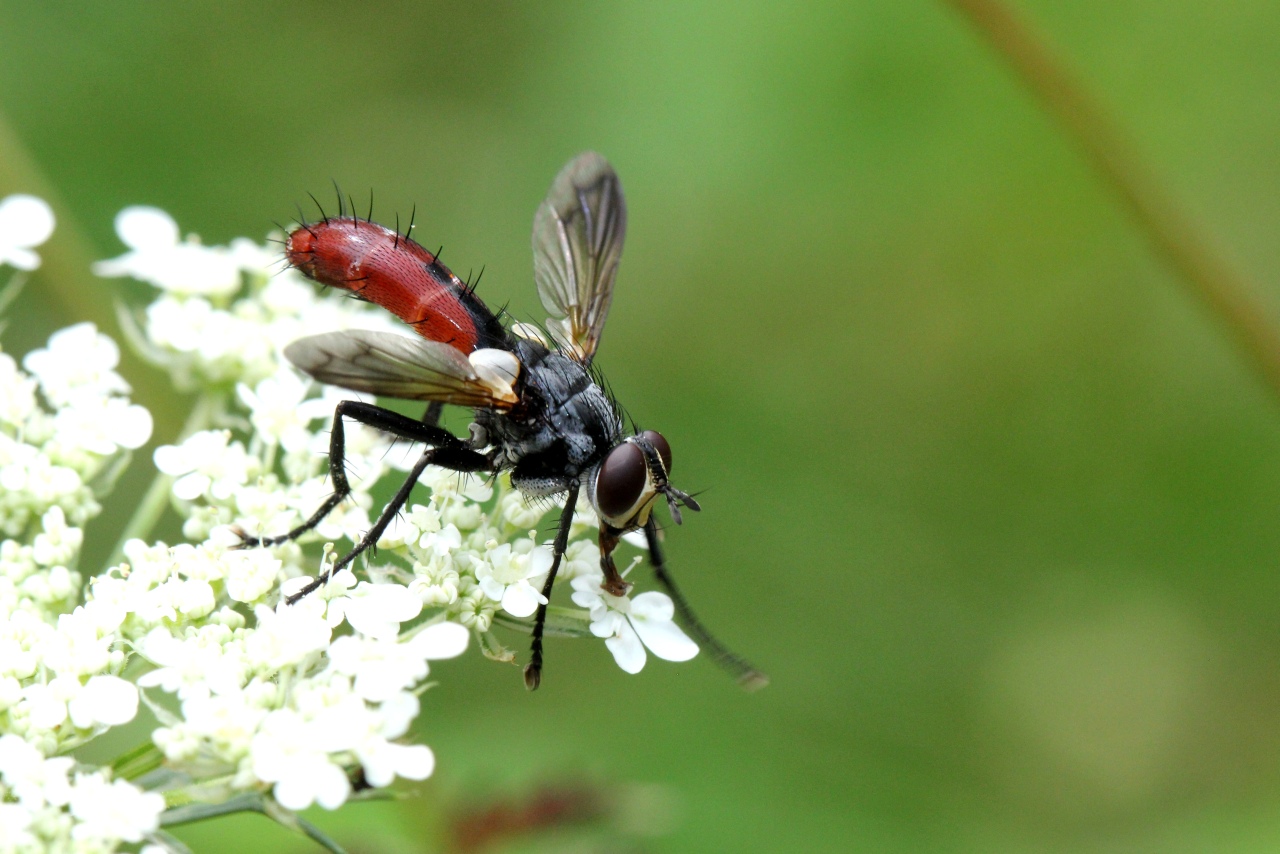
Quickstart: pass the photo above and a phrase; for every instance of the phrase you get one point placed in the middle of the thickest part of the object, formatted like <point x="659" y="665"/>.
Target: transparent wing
<point x="577" y="243"/>
<point x="391" y="365"/>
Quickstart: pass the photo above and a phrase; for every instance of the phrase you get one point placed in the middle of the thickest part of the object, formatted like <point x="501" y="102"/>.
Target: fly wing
<point x="577" y="244"/>
<point x="391" y="365"/>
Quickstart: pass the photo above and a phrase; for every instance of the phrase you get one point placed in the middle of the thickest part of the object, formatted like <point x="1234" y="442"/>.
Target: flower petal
<point x="627" y="649"/>
<point x="521" y="600"/>
<point x="132" y="427"/>
<point x="653" y="606"/>
<point x="377" y="610"/>
<point x="25" y="221"/>
<point x="443" y="640"/>
<point x="144" y="227"/>
<point x="22" y="259"/>
<point x="665" y="639"/>
<point x="105" y="699"/>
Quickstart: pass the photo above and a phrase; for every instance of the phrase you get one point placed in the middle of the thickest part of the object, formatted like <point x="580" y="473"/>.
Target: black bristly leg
<point x="453" y="458"/>
<point x="748" y="677"/>
<point x="533" y="670"/>
<point x="432" y="416"/>
<point x="372" y="416"/>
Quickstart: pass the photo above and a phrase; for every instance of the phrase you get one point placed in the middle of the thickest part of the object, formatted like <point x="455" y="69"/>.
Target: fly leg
<point x="372" y="416"/>
<point x="742" y="670"/>
<point x="453" y="457"/>
<point x="533" y="670"/>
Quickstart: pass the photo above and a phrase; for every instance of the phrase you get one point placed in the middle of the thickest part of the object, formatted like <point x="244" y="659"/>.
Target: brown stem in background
<point x="1223" y="288"/>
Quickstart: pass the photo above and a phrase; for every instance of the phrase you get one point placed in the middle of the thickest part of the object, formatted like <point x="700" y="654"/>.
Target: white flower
<point x="57" y="542"/>
<point x="110" y="811"/>
<point x="292" y="753"/>
<point x="286" y="636"/>
<point x="15" y="828"/>
<point x="250" y="574"/>
<point x="519" y="512"/>
<point x="383" y="668"/>
<point x="580" y="558"/>
<point x="207" y="660"/>
<point x="208" y="462"/>
<point x="103" y="425"/>
<point x="78" y="360"/>
<point x="383" y="761"/>
<point x="504" y="575"/>
<point x="280" y="412"/>
<point x="158" y="257"/>
<point x="216" y="726"/>
<point x="396" y="714"/>
<point x="438" y="542"/>
<point x="25" y="222"/>
<point x="252" y="258"/>
<point x="448" y="484"/>
<point x="408" y="527"/>
<point x="104" y="701"/>
<point x="45" y="704"/>
<point x="376" y="610"/>
<point x="625" y="623"/>
<point x="30" y="777"/>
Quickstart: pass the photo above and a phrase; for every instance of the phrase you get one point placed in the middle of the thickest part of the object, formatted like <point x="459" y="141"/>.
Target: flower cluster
<point x="66" y="429"/>
<point x="51" y="806"/>
<point x="251" y="694"/>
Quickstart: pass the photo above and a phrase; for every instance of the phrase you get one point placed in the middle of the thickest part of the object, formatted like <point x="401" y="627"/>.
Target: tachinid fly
<point x="539" y="411"/>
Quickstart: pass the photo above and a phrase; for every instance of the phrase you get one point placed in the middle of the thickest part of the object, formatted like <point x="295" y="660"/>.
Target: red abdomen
<point x="383" y="267"/>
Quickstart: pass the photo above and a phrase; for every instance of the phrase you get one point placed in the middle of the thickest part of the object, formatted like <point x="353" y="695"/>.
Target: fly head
<point x="629" y="480"/>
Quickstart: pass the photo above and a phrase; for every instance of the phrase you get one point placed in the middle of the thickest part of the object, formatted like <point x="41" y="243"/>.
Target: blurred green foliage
<point x="987" y="494"/>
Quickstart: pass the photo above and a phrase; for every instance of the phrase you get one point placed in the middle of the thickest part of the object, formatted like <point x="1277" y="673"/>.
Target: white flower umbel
<point x="251" y="696"/>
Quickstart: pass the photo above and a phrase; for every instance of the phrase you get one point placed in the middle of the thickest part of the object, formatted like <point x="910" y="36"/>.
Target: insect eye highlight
<point x="623" y="476"/>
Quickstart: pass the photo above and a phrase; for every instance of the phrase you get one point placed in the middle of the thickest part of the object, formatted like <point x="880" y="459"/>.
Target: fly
<point x="540" y="412"/>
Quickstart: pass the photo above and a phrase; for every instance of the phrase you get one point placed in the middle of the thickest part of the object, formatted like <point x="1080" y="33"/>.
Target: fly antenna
<point x="677" y="499"/>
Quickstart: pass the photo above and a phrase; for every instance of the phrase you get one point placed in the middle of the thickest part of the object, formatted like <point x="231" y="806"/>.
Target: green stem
<point x="561" y="622"/>
<point x="142" y="759"/>
<point x="156" y="499"/>
<point x="1222" y="288"/>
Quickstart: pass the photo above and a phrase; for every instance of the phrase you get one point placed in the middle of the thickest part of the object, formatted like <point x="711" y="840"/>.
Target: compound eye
<point x="623" y="476"/>
<point x="660" y="445"/>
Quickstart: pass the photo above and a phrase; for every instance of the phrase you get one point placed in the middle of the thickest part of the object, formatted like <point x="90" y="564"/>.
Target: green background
<point x="988" y="494"/>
